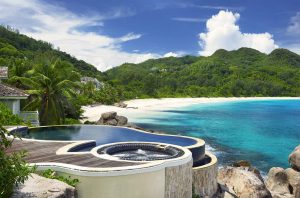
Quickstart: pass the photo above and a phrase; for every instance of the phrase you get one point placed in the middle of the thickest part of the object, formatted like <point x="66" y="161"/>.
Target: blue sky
<point x="109" y="33"/>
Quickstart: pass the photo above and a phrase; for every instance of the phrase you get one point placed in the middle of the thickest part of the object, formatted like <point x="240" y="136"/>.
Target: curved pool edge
<point x="197" y="149"/>
<point x="198" y="141"/>
<point x="143" y="167"/>
<point x="150" y="166"/>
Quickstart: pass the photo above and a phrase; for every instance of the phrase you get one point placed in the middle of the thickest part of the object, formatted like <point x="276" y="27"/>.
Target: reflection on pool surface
<point x="103" y="135"/>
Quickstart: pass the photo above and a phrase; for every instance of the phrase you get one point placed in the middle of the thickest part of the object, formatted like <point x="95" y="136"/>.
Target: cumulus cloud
<point x="65" y="29"/>
<point x="224" y="33"/>
<point x="171" y="54"/>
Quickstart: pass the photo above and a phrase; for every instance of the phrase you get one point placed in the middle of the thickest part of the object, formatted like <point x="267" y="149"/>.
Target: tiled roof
<point x="8" y="91"/>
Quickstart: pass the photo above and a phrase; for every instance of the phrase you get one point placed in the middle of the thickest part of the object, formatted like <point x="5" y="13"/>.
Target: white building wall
<point x="13" y="105"/>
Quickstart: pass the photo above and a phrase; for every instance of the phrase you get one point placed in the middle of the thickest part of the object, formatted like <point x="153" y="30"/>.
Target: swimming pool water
<point x="102" y="135"/>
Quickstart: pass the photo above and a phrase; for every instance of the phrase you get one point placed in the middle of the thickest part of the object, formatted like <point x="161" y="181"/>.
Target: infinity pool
<point x="103" y="135"/>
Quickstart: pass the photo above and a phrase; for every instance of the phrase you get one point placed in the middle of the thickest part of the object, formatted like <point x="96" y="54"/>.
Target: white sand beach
<point x="143" y="107"/>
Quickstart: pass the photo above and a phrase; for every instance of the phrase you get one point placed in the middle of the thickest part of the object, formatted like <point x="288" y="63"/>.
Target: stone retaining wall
<point x="178" y="181"/>
<point x="205" y="178"/>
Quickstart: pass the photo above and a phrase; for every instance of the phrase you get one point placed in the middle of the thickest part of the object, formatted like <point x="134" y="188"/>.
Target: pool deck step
<point x="43" y="152"/>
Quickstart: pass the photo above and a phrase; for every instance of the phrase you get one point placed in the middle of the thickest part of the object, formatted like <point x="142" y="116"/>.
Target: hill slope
<point x="242" y="72"/>
<point x="16" y="48"/>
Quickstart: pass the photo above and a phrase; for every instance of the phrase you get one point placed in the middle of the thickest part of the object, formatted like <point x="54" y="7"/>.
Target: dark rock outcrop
<point x="111" y="118"/>
<point x="109" y="115"/>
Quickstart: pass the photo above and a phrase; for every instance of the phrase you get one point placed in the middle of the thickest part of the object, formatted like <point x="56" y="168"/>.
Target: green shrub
<point x="89" y="122"/>
<point x="7" y="117"/>
<point x="13" y="168"/>
<point x="71" y="121"/>
<point x="51" y="174"/>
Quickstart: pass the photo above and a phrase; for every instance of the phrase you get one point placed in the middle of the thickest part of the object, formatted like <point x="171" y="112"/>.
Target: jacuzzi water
<point x="140" y="155"/>
<point x="102" y="135"/>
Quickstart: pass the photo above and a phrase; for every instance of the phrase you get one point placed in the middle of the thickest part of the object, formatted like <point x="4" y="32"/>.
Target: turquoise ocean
<point x="263" y="132"/>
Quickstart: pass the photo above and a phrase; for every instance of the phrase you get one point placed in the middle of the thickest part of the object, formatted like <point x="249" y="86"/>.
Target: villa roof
<point x="7" y="91"/>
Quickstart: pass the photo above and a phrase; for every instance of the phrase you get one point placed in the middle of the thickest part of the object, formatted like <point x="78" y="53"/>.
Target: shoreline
<point x="139" y="108"/>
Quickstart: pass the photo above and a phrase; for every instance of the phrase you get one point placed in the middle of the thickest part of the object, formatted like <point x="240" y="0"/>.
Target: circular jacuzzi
<point x="141" y="151"/>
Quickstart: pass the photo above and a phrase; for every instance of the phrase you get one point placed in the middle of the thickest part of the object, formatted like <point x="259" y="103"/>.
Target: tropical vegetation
<point x="7" y="117"/>
<point x="13" y="168"/>
<point x="243" y="72"/>
<point x="52" y="77"/>
<point x="50" y="84"/>
<point x="51" y="174"/>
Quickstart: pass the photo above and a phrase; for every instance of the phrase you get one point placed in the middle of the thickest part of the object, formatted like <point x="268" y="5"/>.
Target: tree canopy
<point x="242" y="72"/>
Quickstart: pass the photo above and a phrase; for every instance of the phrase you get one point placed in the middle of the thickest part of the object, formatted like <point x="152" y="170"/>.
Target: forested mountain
<point x="242" y="72"/>
<point x="18" y="49"/>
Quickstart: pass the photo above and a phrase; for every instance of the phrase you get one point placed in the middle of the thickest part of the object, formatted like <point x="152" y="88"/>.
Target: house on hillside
<point x="97" y="83"/>
<point x="11" y="96"/>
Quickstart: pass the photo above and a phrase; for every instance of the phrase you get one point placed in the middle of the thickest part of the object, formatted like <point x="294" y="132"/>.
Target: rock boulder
<point x="109" y="115"/>
<point x="278" y="184"/>
<point x="121" y="120"/>
<point x="41" y="187"/>
<point x="111" y="118"/>
<point x="121" y="104"/>
<point x="243" y="182"/>
<point x="294" y="159"/>
<point x="294" y="181"/>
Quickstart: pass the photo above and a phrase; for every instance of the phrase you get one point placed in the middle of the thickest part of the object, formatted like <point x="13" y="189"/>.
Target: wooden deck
<point x="42" y="152"/>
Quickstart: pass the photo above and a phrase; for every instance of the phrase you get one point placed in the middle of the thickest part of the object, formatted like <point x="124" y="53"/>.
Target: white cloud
<point x="187" y="19"/>
<point x="220" y="7"/>
<point x="224" y="33"/>
<point x="171" y="54"/>
<point x="294" y="27"/>
<point x="64" y="29"/>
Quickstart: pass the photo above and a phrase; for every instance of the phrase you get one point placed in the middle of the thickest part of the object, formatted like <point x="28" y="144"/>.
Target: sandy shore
<point x="144" y="107"/>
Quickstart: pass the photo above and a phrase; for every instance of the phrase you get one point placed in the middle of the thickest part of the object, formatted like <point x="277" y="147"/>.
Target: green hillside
<point x="242" y="72"/>
<point x="18" y="49"/>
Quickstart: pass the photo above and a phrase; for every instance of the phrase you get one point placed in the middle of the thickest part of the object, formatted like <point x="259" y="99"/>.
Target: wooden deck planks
<point x="41" y="152"/>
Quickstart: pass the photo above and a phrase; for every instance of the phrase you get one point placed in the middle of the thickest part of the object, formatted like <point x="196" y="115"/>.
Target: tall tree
<point x="50" y="85"/>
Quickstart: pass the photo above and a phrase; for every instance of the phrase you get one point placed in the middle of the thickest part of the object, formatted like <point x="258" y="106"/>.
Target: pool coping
<point x="142" y="167"/>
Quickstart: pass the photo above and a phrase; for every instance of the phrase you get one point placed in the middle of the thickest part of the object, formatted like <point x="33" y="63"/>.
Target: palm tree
<point x="50" y="85"/>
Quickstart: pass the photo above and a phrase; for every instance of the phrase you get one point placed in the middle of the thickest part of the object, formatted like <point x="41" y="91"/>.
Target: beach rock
<point x="111" y="118"/>
<point x="112" y="122"/>
<point x="121" y="120"/>
<point x="241" y="163"/>
<point x="41" y="187"/>
<point x="225" y="192"/>
<point x="100" y="121"/>
<point x="294" y="181"/>
<point x="109" y="115"/>
<point x="294" y="159"/>
<point x="245" y="163"/>
<point x="120" y="104"/>
<point x="243" y="182"/>
<point x="278" y="184"/>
